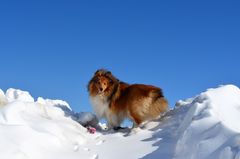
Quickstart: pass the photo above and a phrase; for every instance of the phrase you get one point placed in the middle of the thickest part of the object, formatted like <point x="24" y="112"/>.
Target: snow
<point x="18" y="95"/>
<point x="3" y="99"/>
<point x="205" y="126"/>
<point x="210" y="128"/>
<point x="57" y="103"/>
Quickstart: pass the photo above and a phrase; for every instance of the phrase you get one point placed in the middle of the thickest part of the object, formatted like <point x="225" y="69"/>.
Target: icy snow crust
<point x="206" y="126"/>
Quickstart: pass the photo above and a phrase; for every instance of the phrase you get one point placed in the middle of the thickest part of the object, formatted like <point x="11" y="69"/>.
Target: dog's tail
<point x="159" y="103"/>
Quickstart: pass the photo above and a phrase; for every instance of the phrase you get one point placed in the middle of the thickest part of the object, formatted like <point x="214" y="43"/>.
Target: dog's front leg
<point x="112" y="121"/>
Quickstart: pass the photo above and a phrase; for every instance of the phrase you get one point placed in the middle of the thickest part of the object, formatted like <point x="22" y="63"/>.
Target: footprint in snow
<point x="86" y="149"/>
<point x="100" y="142"/>
<point x="95" y="156"/>
<point x="76" y="147"/>
<point x="97" y="137"/>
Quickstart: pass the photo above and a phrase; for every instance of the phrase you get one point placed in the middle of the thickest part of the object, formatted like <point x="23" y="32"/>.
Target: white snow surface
<point x="18" y="95"/>
<point x="205" y="126"/>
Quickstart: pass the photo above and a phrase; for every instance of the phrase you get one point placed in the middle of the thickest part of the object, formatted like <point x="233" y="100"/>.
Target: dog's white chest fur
<point x="100" y="106"/>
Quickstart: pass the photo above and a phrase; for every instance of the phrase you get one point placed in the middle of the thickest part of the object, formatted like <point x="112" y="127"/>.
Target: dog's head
<point x="103" y="82"/>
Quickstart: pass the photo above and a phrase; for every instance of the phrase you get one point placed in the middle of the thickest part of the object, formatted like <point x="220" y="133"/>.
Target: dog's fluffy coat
<point x="116" y="100"/>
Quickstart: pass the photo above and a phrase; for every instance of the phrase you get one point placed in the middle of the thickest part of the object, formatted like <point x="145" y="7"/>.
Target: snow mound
<point x="205" y="126"/>
<point x="18" y="95"/>
<point x="38" y="130"/>
<point x="210" y="128"/>
<point x="56" y="103"/>
<point x="3" y="100"/>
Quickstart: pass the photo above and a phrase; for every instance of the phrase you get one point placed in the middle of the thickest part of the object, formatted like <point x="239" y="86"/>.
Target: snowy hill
<point x="206" y="126"/>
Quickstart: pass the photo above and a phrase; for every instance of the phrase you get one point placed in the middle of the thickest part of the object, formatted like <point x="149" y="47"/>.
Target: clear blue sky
<point x="52" y="48"/>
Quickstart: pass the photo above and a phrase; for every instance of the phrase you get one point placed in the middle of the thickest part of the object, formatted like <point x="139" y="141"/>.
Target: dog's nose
<point x="101" y="89"/>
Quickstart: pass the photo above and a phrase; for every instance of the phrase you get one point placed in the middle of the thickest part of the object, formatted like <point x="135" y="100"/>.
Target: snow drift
<point x="206" y="126"/>
<point x="37" y="130"/>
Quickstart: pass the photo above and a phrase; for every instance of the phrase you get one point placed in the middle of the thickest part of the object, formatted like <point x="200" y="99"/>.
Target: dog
<point x="115" y="100"/>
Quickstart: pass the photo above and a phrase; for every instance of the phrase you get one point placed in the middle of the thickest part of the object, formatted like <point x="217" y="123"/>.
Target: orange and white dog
<point x="115" y="100"/>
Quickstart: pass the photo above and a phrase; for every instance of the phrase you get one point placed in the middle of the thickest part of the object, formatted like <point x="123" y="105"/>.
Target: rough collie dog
<point x="115" y="100"/>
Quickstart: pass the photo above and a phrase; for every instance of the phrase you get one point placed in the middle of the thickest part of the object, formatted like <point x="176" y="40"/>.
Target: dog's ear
<point x="102" y="72"/>
<point x="96" y="72"/>
<point x="99" y="72"/>
<point x="108" y="73"/>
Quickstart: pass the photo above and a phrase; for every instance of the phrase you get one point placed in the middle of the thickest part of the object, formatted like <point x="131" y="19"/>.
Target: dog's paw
<point x="118" y="128"/>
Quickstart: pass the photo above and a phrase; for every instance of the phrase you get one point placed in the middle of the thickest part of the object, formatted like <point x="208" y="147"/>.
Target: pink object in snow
<point x="91" y="130"/>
